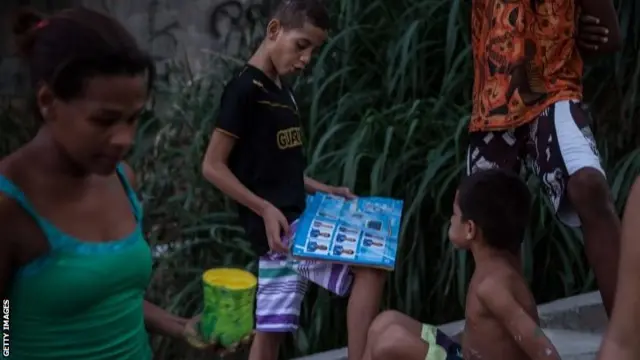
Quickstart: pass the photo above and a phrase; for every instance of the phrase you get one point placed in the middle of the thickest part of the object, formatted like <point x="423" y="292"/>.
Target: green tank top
<point x="81" y="300"/>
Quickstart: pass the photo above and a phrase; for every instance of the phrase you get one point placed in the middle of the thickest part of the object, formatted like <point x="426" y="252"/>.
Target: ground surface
<point x="575" y="325"/>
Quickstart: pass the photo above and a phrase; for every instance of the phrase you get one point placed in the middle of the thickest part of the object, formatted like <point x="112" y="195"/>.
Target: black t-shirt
<point x="267" y="157"/>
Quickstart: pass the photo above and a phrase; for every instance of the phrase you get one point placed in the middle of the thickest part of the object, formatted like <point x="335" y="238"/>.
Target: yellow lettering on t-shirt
<point x="289" y="138"/>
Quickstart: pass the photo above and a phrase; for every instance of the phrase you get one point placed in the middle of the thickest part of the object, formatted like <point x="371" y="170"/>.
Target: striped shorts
<point x="283" y="282"/>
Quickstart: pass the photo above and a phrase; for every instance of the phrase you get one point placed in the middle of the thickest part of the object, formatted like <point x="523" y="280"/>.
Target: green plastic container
<point x="229" y="295"/>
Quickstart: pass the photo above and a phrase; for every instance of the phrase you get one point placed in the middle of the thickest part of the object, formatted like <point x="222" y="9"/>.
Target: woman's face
<point x="97" y="129"/>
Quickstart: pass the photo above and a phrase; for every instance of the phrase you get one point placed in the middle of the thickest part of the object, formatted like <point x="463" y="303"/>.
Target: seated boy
<point x="256" y="157"/>
<point x="490" y="214"/>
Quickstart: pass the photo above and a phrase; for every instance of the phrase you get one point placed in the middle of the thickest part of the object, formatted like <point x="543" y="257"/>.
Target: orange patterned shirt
<point x="524" y="60"/>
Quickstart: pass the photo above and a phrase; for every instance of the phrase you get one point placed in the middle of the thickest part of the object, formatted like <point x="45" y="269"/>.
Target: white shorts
<point x="555" y="146"/>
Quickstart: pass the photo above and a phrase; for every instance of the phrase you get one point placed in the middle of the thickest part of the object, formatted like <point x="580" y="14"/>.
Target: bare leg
<point x="589" y="193"/>
<point x="364" y="305"/>
<point x="394" y="335"/>
<point x="266" y="346"/>
<point x="620" y="341"/>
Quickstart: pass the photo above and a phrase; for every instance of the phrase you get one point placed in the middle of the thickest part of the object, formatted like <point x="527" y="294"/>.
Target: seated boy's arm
<point x="524" y="330"/>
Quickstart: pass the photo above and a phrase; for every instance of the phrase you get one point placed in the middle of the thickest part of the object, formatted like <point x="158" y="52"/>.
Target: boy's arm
<point x="621" y="339"/>
<point x="232" y="124"/>
<point x="604" y="14"/>
<point x="313" y="186"/>
<point x="216" y="170"/>
<point x="527" y="334"/>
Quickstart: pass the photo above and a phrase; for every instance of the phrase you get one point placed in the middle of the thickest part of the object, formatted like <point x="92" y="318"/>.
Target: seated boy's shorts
<point x="441" y="347"/>
<point x="282" y="283"/>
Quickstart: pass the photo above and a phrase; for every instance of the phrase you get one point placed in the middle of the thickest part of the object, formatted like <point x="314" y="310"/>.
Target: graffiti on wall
<point x="168" y="28"/>
<point x="235" y="19"/>
<point x="230" y="24"/>
<point x="159" y="36"/>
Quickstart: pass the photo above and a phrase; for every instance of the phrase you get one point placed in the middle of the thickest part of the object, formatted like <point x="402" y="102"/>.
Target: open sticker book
<point x="362" y="232"/>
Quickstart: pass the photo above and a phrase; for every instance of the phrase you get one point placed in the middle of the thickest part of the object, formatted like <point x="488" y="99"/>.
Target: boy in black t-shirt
<point x="255" y="156"/>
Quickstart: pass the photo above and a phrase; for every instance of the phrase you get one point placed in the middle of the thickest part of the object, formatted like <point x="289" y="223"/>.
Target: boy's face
<point x="461" y="232"/>
<point x="291" y="48"/>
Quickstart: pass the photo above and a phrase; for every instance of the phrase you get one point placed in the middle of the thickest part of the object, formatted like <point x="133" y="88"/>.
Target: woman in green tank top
<point x="74" y="264"/>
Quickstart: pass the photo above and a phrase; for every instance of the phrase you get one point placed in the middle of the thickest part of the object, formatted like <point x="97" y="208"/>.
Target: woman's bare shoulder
<point x="12" y="213"/>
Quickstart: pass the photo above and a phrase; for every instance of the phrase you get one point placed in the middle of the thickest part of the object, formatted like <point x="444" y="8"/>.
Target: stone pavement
<point x="575" y="325"/>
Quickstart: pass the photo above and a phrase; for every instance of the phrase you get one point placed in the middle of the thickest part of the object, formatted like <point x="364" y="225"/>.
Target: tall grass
<point x="386" y="103"/>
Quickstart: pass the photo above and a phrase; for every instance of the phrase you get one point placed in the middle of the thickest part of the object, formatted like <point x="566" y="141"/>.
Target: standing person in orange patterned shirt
<point x="527" y="97"/>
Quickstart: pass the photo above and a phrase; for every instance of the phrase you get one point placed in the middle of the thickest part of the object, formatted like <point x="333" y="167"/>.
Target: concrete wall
<point x="169" y="29"/>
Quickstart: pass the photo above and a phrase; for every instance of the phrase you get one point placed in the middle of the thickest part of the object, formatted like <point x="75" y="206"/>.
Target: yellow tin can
<point x="229" y="295"/>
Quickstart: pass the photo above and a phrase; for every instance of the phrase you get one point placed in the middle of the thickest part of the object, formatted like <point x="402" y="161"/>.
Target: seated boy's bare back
<point x="499" y="305"/>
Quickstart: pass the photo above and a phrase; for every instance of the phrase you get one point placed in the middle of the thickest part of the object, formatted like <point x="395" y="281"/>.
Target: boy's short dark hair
<point x="294" y="13"/>
<point x="499" y="203"/>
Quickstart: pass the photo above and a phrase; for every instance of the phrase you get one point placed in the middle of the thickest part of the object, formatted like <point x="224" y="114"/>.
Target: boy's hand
<point x="192" y="336"/>
<point x="590" y="33"/>
<point x="343" y="191"/>
<point x="275" y="225"/>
